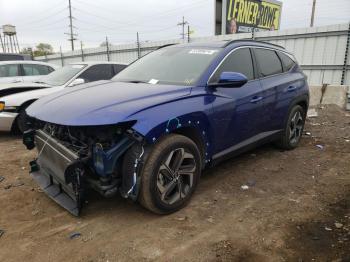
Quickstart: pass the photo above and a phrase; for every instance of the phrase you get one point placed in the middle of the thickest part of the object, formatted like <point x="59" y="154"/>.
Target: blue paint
<point x="222" y="116"/>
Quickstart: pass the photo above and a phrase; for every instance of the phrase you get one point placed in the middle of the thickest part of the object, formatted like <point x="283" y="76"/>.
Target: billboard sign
<point x="238" y="16"/>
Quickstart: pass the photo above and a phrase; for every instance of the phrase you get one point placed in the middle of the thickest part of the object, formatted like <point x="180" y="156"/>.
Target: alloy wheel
<point x="175" y="176"/>
<point x="295" y="127"/>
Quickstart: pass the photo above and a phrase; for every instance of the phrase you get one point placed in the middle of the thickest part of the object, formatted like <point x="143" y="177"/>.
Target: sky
<point x="47" y="20"/>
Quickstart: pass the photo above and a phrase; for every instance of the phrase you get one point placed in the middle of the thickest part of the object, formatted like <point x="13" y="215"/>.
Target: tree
<point x="43" y="49"/>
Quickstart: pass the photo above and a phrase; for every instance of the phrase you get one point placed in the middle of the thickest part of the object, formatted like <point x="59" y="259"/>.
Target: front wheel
<point x="21" y="122"/>
<point x="170" y="174"/>
<point x="293" y="130"/>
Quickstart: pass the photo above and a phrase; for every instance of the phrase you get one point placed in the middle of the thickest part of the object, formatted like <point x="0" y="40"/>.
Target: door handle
<point x="256" y="99"/>
<point x="291" y="88"/>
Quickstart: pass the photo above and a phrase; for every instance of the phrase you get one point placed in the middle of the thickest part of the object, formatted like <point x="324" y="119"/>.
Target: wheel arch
<point x="23" y="106"/>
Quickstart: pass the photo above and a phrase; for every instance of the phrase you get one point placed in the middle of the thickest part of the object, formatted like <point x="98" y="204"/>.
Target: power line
<point x="45" y="17"/>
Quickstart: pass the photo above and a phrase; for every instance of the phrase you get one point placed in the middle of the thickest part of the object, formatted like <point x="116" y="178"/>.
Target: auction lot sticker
<point x="202" y="51"/>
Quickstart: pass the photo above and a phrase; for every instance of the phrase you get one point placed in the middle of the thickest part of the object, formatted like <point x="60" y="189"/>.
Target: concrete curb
<point x="330" y="94"/>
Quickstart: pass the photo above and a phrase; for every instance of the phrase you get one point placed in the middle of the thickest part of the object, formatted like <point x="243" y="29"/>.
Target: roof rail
<point x="162" y="46"/>
<point x="250" y="40"/>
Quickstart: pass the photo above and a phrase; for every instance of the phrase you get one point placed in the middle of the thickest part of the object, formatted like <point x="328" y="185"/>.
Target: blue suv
<point x="150" y="131"/>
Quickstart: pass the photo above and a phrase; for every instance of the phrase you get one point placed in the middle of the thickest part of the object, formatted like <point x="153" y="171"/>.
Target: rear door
<point x="33" y="72"/>
<point x="237" y="110"/>
<point x="279" y="84"/>
<point x="272" y="81"/>
<point x="10" y="73"/>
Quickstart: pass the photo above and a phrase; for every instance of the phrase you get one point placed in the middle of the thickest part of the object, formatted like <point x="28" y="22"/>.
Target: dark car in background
<point x="10" y="57"/>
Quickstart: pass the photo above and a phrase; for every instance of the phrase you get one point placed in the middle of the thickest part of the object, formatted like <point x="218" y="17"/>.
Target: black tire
<point x="156" y="177"/>
<point x="293" y="129"/>
<point x="19" y="125"/>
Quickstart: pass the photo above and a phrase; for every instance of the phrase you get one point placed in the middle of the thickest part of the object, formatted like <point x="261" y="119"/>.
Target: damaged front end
<point x="71" y="160"/>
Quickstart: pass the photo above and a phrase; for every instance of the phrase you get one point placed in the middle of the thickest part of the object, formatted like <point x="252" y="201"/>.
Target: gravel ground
<point x="296" y="208"/>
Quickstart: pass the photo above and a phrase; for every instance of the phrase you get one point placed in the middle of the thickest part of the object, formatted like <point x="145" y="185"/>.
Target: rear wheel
<point x="294" y="128"/>
<point x="170" y="174"/>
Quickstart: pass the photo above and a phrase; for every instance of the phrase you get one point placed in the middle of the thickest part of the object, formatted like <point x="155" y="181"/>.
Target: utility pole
<point x="82" y="51"/>
<point x="313" y="13"/>
<point x="188" y="33"/>
<point x="71" y="34"/>
<point x="138" y="45"/>
<point x="183" y="23"/>
<point x="107" y="49"/>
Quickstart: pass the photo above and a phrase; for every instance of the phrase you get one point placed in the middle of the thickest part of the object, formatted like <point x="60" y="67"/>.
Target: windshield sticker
<point x="202" y="51"/>
<point x="153" y="81"/>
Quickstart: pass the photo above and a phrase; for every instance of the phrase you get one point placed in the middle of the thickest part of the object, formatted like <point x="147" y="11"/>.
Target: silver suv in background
<point x="24" y="71"/>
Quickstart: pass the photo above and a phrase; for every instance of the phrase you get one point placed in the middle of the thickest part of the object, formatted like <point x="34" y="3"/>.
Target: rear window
<point x="287" y="62"/>
<point x="268" y="61"/>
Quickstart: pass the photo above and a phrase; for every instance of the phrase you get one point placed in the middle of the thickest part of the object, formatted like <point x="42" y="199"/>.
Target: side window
<point x="33" y="70"/>
<point x="97" y="72"/>
<point x="239" y="61"/>
<point x="287" y="62"/>
<point x="118" y="68"/>
<point x="9" y="70"/>
<point x="50" y="69"/>
<point x="268" y="61"/>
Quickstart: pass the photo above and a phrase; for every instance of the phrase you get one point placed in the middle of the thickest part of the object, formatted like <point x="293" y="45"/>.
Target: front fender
<point x="193" y="112"/>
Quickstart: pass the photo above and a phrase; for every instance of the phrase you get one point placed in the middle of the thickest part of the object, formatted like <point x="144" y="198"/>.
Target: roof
<point x="90" y="63"/>
<point x="225" y="43"/>
<point x="26" y="62"/>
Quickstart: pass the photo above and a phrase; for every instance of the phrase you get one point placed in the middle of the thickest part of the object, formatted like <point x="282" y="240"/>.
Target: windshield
<point x="174" y="65"/>
<point x="62" y="75"/>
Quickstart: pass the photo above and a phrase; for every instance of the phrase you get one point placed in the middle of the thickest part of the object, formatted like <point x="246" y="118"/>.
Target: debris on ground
<point x="328" y="229"/>
<point x="308" y="133"/>
<point x="251" y="183"/>
<point x="338" y="225"/>
<point x="312" y="113"/>
<point x="210" y="219"/>
<point x="244" y="187"/>
<point x="2" y="232"/>
<point x="320" y="146"/>
<point x="75" y="235"/>
<point x="2" y="178"/>
<point x="181" y="218"/>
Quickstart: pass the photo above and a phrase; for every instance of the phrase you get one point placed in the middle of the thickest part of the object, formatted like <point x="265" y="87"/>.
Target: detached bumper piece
<point x="58" y="172"/>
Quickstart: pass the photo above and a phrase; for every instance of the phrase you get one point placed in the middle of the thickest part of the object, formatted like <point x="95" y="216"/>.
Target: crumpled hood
<point x="102" y="103"/>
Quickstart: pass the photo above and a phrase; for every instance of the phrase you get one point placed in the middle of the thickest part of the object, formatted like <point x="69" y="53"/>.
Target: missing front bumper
<point x="54" y="190"/>
<point x="58" y="172"/>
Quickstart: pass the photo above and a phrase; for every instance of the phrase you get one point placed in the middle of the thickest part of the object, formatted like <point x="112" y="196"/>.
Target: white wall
<point x="319" y="50"/>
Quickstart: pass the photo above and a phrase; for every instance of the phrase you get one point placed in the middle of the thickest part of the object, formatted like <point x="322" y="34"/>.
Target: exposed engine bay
<point x="73" y="159"/>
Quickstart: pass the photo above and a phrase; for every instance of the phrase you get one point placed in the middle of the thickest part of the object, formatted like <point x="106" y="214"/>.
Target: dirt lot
<point x="297" y="208"/>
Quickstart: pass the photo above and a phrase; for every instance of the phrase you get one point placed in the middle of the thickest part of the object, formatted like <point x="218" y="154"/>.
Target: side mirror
<point x="77" y="81"/>
<point x="231" y="79"/>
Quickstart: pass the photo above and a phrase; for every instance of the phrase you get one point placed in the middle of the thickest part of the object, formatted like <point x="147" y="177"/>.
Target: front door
<point x="238" y="111"/>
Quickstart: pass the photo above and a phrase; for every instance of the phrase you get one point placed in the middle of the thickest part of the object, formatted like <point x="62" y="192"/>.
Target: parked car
<point x="151" y="131"/>
<point x="13" y="56"/>
<point x="16" y="98"/>
<point x="21" y="71"/>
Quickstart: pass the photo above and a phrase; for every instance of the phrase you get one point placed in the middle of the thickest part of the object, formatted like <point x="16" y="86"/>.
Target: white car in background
<point x="14" y="100"/>
<point x="23" y="71"/>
